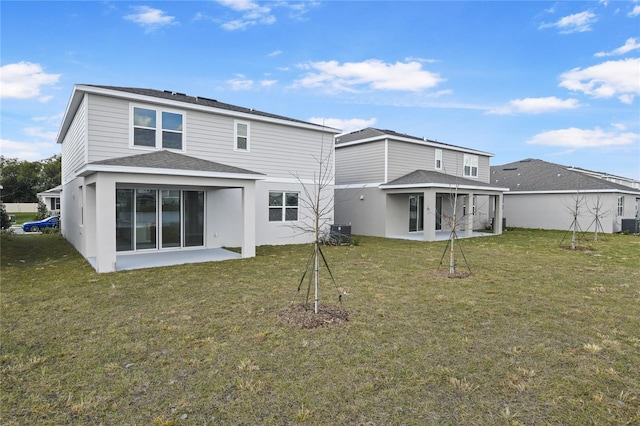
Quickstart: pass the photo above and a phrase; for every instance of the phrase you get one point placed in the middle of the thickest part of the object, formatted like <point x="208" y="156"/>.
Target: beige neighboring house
<point x="394" y="185"/>
<point x="152" y="174"/>
<point x="549" y="196"/>
<point x="51" y="199"/>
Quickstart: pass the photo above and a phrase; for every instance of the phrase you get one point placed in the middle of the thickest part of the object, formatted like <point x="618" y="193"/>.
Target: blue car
<point x="38" y="225"/>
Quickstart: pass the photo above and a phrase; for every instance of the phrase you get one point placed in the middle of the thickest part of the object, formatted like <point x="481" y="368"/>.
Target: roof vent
<point x="506" y="169"/>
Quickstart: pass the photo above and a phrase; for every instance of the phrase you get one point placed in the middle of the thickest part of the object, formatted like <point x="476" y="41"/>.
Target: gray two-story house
<point x="394" y="185"/>
<point x="152" y="172"/>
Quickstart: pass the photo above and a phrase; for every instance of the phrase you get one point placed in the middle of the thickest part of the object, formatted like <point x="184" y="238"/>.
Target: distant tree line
<point x="22" y="180"/>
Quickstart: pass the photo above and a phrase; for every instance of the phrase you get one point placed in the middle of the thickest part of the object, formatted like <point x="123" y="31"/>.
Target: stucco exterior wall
<point x="554" y="211"/>
<point x="362" y="208"/>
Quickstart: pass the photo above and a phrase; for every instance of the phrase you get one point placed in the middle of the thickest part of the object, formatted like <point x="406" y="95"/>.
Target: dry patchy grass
<point x="535" y="335"/>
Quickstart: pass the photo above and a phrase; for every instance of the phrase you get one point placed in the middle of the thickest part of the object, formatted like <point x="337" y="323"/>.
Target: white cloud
<point x="37" y="132"/>
<point x="274" y="53"/>
<point x="584" y="138"/>
<point x="630" y="45"/>
<point x="240" y="83"/>
<point x="149" y="18"/>
<point x="536" y="106"/>
<point x="346" y="125"/>
<point x="24" y="80"/>
<point x="576" y="23"/>
<point x="29" y="151"/>
<point x="608" y="79"/>
<point x="372" y="73"/>
<point x="268" y="83"/>
<point x="252" y="14"/>
<point x="635" y="11"/>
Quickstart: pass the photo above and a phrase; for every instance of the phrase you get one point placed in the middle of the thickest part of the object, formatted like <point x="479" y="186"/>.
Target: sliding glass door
<point x="193" y="218"/>
<point x="416" y="219"/>
<point x="158" y="219"/>
<point x="171" y="223"/>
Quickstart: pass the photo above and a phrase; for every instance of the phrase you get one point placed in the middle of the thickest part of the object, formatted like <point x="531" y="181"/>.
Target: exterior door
<point x="416" y="217"/>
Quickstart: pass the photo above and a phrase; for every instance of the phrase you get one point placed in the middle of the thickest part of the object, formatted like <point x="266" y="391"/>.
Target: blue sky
<point x="558" y="81"/>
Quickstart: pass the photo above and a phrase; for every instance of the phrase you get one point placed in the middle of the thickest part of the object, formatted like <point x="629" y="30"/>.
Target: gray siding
<point x="360" y="163"/>
<point x="74" y="145"/>
<point x="275" y="150"/>
<point x="405" y="158"/>
<point x="453" y="164"/>
<point x="108" y="128"/>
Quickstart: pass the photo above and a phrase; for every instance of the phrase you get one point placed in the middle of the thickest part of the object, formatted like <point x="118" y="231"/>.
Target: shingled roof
<point x="534" y="175"/>
<point x="431" y="178"/>
<point x="174" y="161"/>
<point x="197" y="100"/>
<point x="371" y="133"/>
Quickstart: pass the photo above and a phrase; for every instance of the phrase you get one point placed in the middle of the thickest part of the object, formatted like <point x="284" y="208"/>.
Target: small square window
<point x="283" y="206"/>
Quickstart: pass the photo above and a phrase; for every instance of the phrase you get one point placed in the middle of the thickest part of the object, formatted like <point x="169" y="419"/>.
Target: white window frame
<point x="620" y="205"/>
<point x="438" y="160"/>
<point x="283" y="208"/>
<point x="158" y="129"/>
<point x="237" y="123"/>
<point x="470" y="166"/>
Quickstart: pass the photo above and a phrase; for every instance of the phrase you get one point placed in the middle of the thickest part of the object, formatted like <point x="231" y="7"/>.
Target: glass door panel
<point x="416" y="218"/>
<point x="171" y="235"/>
<point x="193" y="218"/>
<point x="124" y="219"/>
<point x="146" y="219"/>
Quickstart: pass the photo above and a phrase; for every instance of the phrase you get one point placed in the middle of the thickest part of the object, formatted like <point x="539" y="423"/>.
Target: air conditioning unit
<point x="629" y="226"/>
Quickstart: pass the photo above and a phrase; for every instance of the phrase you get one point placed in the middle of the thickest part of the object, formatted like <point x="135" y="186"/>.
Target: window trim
<point x="284" y="207"/>
<point x="236" y="123"/>
<point x="620" y="205"/>
<point x="471" y="161"/>
<point x="158" y="129"/>
<point x="438" y="159"/>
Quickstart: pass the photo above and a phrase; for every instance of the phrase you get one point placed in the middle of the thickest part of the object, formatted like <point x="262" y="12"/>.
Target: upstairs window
<point x="157" y="129"/>
<point x="241" y="136"/>
<point x="283" y="206"/>
<point x="470" y="165"/>
<point x="438" y="159"/>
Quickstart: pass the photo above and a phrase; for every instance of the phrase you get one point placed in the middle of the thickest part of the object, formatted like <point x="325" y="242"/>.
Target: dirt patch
<point x="304" y="316"/>
<point x="445" y="273"/>
<point x="578" y="248"/>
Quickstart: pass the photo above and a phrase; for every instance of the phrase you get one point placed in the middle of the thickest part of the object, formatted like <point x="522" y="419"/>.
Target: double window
<point x="283" y="206"/>
<point x="470" y="165"/>
<point x="159" y="129"/>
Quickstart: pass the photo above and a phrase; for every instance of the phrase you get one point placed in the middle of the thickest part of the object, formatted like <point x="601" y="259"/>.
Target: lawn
<point x="537" y="334"/>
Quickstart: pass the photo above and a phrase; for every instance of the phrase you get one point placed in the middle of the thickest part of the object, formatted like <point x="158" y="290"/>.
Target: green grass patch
<point x="537" y="334"/>
<point x="23" y="217"/>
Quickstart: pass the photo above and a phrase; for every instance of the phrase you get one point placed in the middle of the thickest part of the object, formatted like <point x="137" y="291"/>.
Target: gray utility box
<point x="340" y="233"/>
<point x="629" y="226"/>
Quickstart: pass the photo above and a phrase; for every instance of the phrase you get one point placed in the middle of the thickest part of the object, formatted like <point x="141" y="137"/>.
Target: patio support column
<point x="468" y="229"/>
<point x="105" y="223"/>
<point x="429" y="233"/>
<point x="249" y="220"/>
<point x="498" y="214"/>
